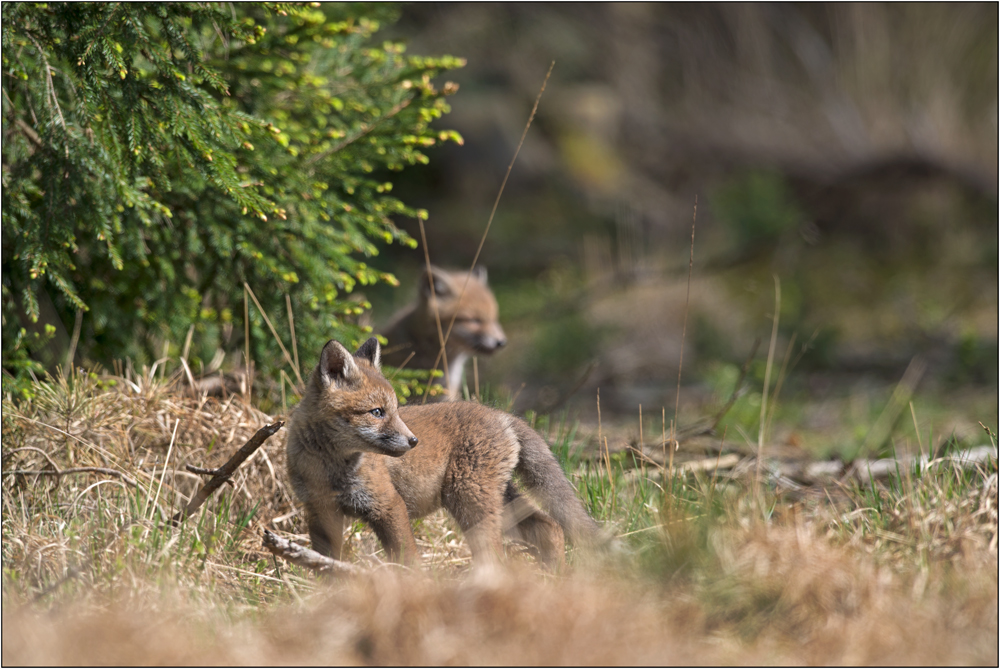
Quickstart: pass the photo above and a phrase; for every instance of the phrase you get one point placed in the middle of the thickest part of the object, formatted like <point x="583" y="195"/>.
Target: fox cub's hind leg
<point x="523" y="521"/>
<point x="478" y="511"/>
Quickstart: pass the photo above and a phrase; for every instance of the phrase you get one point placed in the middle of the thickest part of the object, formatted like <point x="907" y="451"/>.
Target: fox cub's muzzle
<point x="397" y="440"/>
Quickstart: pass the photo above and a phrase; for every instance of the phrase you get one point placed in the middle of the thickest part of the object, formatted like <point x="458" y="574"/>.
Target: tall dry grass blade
<point x="663" y="417"/>
<point x="291" y="329"/>
<point x="767" y="382"/>
<point x="901" y="394"/>
<point x="496" y="203"/>
<point x="641" y="443"/>
<point x="166" y="464"/>
<point x="188" y="374"/>
<point x="248" y="391"/>
<point x="599" y="437"/>
<point x="442" y="353"/>
<point x="673" y="448"/>
<point x="164" y="358"/>
<point x="916" y="428"/>
<point x="71" y="352"/>
<point x="187" y="342"/>
<point x="274" y="333"/>
<point x="781" y="381"/>
<point x="475" y="374"/>
<point x="408" y="358"/>
<point x="687" y="303"/>
<point x="291" y="384"/>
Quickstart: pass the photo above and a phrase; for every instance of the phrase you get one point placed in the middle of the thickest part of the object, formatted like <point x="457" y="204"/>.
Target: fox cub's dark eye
<point x="378" y="413"/>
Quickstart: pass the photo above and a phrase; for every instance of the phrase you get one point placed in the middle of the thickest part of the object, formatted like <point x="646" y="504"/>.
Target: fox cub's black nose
<point x="412" y="441"/>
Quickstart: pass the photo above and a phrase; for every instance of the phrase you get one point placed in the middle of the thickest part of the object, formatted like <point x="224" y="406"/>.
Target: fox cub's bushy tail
<point x="544" y="479"/>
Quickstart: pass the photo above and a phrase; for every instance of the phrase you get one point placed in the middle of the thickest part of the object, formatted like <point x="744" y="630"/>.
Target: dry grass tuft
<point x="94" y="574"/>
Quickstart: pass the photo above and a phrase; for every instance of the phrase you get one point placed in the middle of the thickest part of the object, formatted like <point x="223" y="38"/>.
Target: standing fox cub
<point x="351" y="452"/>
<point x="477" y="328"/>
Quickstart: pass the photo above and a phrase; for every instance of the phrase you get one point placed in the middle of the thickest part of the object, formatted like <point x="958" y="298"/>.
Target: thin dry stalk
<point x="663" y="417"/>
<point x="166" y="462"/>
<point x="71" y="353"/>
<point x="920" y="443"/>
<point x="291" y="384"/>
<point x="493" y="212"/>
<point x="599" y="437"/>
<point x="475" y="374"/>
<point x="437" y="316"/>
<point x="274" y="333"/>
<point x="641" y="444"/>
<point x="781" y="381"/>
<point x="673" y="448"/>
<point x="611" y="476"/>
<point x="687" y="303"/>
<point x="59" y="473"/>
<point x="187" y="342"/>
<point x="767" y="380"/>
<point x="901" y="394"/>
<point x="188" y="374"/>
<point x="246" y="339"/>
<point x="291" y="329"/>
<point x="408" y="358"/>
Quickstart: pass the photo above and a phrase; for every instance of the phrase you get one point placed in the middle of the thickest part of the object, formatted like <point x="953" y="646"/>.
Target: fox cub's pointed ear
<point x="336" y="364"/>
<point x="371" y="351"/>
<point x="479" y="272"/>
<point x="439" y="279"/>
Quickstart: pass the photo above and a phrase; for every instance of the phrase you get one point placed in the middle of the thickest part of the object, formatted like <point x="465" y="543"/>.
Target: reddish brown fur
<point x="465" y="459"/>
<point x="476" y="329"/>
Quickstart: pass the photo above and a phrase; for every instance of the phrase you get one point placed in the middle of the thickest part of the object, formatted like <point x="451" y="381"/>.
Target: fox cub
<point x="476" y="330"/>
<point x="351" y="453"/>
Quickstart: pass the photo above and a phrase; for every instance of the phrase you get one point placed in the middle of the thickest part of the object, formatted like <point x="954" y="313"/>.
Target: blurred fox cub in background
<point x="477" y="328"/>
<point x="351" y="453"/>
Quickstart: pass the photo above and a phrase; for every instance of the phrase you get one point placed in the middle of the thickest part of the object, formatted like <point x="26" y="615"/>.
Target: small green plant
<point x="757" y="207"/>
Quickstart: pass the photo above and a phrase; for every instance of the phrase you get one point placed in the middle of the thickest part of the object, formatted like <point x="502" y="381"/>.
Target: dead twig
<point x="222" y="474"/>
<point x="306" y="557"/>
<point x="59" y="473"/>
<point x="201" y="471"/>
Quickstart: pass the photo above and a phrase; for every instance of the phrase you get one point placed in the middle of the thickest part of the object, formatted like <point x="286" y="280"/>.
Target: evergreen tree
<point x="157" y="156"/>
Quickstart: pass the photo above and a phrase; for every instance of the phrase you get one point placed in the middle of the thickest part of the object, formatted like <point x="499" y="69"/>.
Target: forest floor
<point x="724" y="562"/>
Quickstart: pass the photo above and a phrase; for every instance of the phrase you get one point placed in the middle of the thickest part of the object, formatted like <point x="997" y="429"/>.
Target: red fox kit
<point x="351" y="452"/>
<point x="476" y="330"/>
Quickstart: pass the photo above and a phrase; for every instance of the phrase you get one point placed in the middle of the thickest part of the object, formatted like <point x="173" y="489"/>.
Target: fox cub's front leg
<point x="326" y="529"/>
<point x="391" y="524"/>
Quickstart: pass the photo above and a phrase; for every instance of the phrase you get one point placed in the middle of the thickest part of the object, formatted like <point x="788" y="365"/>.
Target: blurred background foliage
<point x="157" y="158"/>
<point x="848" y="150"/>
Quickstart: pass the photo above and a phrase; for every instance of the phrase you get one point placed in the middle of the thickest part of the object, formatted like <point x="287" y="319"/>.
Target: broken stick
<point x="308" y="558"/>
<point x="223" y="473"/>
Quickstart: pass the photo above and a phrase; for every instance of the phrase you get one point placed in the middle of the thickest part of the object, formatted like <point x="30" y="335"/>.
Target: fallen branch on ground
<point x="308" y="558"/>
<point x="707" y="465"/>
<point x="222" y="474"/>
<point x="59" y="473"/>
<point x="866" y="471"/>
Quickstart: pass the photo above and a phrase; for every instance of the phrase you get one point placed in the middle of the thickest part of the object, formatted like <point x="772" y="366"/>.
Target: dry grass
<point x="92" y="573"/>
